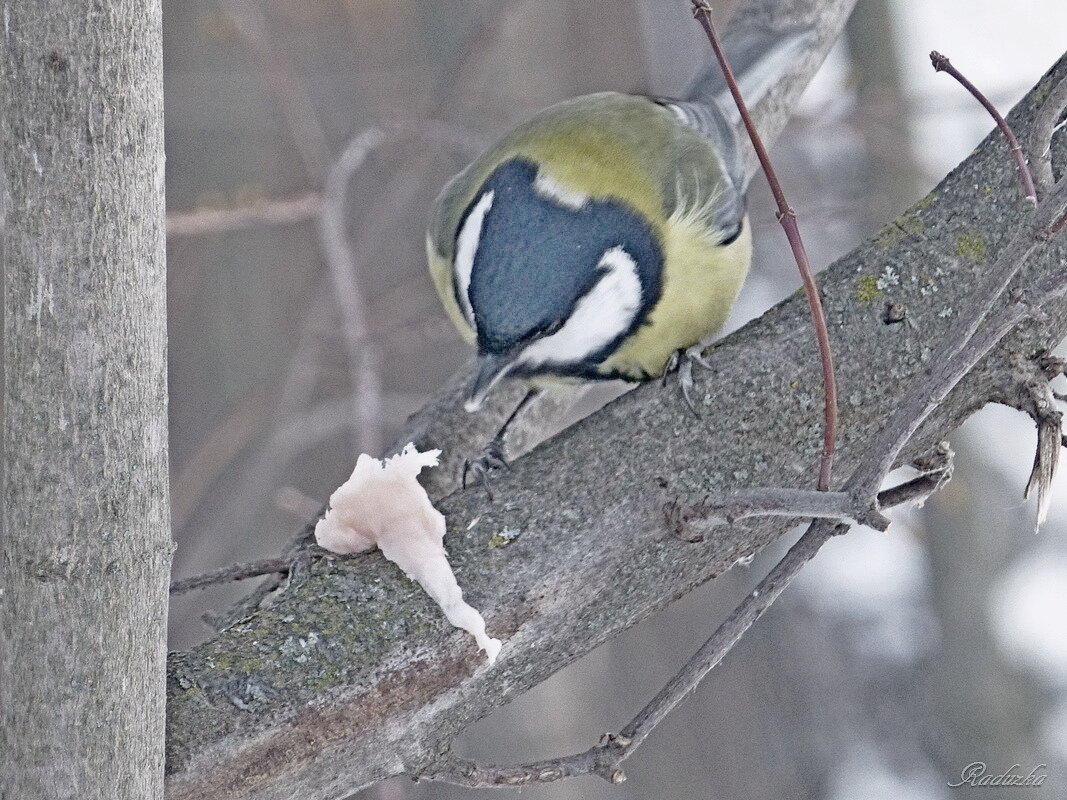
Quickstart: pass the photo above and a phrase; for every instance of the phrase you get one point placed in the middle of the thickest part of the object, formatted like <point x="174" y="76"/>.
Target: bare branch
<point x="204" y="221"/>
<point x="711" y="512"/>
<point x="234" y="572"/>
<point x="936" y="468"/>
<point x="1026" y="180"/>
<point x="363" y="355"/>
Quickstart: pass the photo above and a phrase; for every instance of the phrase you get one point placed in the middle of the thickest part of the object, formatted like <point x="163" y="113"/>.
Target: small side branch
<point x="234" y="572"/>
<point x="1046" y="123"/>
<point x="711" y="512"/>
<point x="942" y="64"/>
<point x="936" y="470"/>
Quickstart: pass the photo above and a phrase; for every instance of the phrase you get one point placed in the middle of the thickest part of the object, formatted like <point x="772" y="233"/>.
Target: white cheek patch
<point x="549" y="188"/>
<point x="466" y="248"/>
<point x="598" y="318"/>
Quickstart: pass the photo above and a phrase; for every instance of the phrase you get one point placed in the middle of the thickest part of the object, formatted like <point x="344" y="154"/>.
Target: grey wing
<point x="759" y="56"/>
<point x="709" y="178"/>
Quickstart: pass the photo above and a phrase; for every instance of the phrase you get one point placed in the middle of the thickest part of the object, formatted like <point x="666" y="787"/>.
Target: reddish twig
<point x="942" y="64"/>
<point x="234" y="572"/>
<point x="788" y="219"/>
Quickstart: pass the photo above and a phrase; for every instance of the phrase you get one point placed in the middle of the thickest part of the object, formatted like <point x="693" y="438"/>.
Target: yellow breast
<point x="701" y="280"/>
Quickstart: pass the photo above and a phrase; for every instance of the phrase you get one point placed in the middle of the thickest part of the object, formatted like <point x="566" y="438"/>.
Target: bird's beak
<point x="491" y="368"/>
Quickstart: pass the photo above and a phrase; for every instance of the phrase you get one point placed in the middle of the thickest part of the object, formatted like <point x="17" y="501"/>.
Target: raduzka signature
<point x="978" y="774"/>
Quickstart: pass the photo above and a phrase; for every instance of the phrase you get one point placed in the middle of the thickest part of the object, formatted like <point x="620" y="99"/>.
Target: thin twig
<point x="739" y="504"/>
<point x="788" y="219"/>
<point x="234" y="572"/>
<point x="915" y="490"/>
<point x="202" y="221"/>
<point x="344" y="271"/>
<point x="1026" y="180"/>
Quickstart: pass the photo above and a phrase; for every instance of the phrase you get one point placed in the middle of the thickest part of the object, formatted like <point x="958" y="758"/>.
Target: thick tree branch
<point x="351" y="675"/>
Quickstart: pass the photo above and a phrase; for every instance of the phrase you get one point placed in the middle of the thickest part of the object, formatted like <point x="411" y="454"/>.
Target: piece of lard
<point x="383" y="504"/>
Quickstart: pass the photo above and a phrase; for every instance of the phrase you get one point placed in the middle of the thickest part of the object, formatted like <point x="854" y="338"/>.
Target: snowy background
<point x="897" y="659"/>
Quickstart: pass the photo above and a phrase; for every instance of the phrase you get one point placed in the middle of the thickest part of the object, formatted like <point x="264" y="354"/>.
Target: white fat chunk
<point x="383" y="504"/>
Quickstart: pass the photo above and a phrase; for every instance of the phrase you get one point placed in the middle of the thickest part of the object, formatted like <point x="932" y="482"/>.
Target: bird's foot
<point x="478" y="469"/>
<point x="681" y="361"/>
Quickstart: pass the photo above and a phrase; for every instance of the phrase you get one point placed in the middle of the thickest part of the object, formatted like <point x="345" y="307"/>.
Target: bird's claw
<point x="478" y="469"/>
<point x="686" y="384"/>
<point x="681" y="361"/>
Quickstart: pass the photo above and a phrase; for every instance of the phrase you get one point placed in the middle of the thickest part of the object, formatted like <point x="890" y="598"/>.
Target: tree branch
<point x="351" y="675"/>
<point x="234" y="572"/>
<point x="1026" y="180"/>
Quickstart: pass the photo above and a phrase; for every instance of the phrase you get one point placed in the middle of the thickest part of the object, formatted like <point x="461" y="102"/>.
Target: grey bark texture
<point x="350" y="674"/>
<point x="85" y="550"/>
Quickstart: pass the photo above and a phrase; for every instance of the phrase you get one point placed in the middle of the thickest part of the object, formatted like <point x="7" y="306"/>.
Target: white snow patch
<point x="1054" y="731"/>
<point x="864" y="570"/>
<point x="864" y="773"/>
<point x="1028" y="609"/>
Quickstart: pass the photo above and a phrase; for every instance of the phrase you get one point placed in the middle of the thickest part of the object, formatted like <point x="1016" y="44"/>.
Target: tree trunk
<point x="85" y="550"/>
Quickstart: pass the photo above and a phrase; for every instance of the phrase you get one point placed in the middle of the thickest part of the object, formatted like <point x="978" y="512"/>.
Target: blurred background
<point x="305" y="142"/>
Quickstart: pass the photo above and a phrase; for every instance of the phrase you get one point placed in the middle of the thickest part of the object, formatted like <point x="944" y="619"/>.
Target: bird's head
<point x="551" y="279"/>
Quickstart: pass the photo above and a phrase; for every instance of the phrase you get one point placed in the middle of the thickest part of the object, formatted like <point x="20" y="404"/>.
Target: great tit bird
<point x="604" y="236"/>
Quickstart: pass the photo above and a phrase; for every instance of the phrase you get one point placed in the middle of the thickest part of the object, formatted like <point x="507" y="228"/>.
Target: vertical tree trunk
<point x="85" y="549"/>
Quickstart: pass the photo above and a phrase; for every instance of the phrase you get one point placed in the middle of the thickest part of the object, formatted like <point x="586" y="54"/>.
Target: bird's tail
<point x="760" y="57"/>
